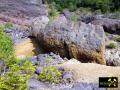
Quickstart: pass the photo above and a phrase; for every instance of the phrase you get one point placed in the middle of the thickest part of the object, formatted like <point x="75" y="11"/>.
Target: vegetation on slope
<point x="18" y="71"/>
<point x="6" y="47"/>
<point x="103" y="5"/>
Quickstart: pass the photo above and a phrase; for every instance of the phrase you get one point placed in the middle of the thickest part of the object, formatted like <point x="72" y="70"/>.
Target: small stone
<point x="67" y="77"/>
<point x="34" y="60"/>
<point x="60" y="68"/>
<point x="38" y="70"/>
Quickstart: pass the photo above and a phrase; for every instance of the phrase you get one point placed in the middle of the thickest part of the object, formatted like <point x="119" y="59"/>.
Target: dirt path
<point x="27" y="48"/>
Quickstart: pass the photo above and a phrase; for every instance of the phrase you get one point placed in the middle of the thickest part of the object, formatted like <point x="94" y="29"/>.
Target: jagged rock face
<point x="84" y="42"/>
<point x="110" y="25"/>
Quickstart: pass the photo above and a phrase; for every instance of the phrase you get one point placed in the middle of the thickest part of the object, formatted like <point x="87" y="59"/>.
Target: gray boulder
<point x="67" y="14"/>
<point x="46" y="59"/>
<point x="39" y="23"/>
<point x="84" y="42"/>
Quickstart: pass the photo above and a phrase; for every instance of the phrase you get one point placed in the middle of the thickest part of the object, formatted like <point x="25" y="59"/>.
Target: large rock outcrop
<point x="84" y="42"/>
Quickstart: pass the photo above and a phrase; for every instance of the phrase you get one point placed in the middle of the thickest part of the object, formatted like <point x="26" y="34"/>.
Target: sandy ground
<point x="27" y="47"/>
<point x="90" y="72"/>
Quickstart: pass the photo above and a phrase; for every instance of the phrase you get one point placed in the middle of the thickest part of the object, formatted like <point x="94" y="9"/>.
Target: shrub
<point x="118" y="39"/>
<point x="115" y="15"/>
<point x="53" y="11"/>
<point x="62" y="4"/>
<point x="6" y="47"/>
<point x="16" y="78"/>
<point x="26" y="66"/>
<point x="50" y="74"/>
<point x="112" y="46"/>
<point x="97" y="12"/>
<point x="8" y="25"/>
<point x="13" y="80"/>
<point x="73" y="17"/>
<point x="19" y="71"/>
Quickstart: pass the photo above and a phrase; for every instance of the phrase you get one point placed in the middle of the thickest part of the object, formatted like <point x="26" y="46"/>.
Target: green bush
<point x="62" y="4"/>
<point x="6" y="47"/>
<point x="112" y="46"/>
<point x="84" y="11"/>
<point x="8" y="25"/>
<point x="16" y="78"/>
<point x="98" y="12"/>
<point x="26" y="66"/>
<point x="19" y="70"/>
<point x="118" y="39"/>
<point x="103" y="5"/>
<point x="53" y="11"/>
<point x="50" y="74"/>
<point x="73" y="17"/>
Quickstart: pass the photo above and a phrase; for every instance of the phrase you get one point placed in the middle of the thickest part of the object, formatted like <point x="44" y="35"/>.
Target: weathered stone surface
<point x="67" y="13"/>
<point x="39" y="23"/>
<point x="82" y="41"/>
